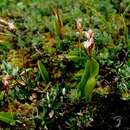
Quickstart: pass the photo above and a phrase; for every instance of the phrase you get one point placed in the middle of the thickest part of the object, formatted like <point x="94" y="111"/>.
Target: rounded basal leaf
<point x="85" y="77"/>
<point x="90" y="85"/>
<point x="88" y="80"/>
<point x="94" y="67"/>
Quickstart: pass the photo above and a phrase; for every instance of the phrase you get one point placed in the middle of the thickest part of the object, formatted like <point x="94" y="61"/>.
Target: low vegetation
<point x="64" y="64"/>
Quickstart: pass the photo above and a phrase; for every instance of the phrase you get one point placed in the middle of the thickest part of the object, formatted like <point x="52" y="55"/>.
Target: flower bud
<point x="78" y="25"/>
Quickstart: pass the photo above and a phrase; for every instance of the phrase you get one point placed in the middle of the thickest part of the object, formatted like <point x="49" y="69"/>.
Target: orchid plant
<point x="88" y="80"/>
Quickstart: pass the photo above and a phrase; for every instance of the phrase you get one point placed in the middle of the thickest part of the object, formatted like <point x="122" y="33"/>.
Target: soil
<point x="112" y="113"/>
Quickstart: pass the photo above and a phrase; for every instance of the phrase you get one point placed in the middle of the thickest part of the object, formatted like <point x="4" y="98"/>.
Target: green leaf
<point x="1" y="95"/>
<point x="94" y="68"/>
<point x="43" y="71"/>
<point x="85" y="77"/>
<point x="7" y="118"/>
<point x="88" y="80"/>
<point x="89" y="87"/>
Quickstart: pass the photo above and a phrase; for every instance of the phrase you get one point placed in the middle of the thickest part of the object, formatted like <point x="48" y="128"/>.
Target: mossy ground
<point x="47" y="97"/>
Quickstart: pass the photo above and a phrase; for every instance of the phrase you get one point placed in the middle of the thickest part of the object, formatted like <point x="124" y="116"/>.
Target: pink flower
<point x="89" y="44"/>
<point x="78" y="25"/>
<point x="6" y="80"/>
<point x="89" y="34"/>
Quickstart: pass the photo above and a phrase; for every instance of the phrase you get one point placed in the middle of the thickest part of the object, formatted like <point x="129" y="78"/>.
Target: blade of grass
<point x="7" y="118"/>
<point x="43" y="71"/>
